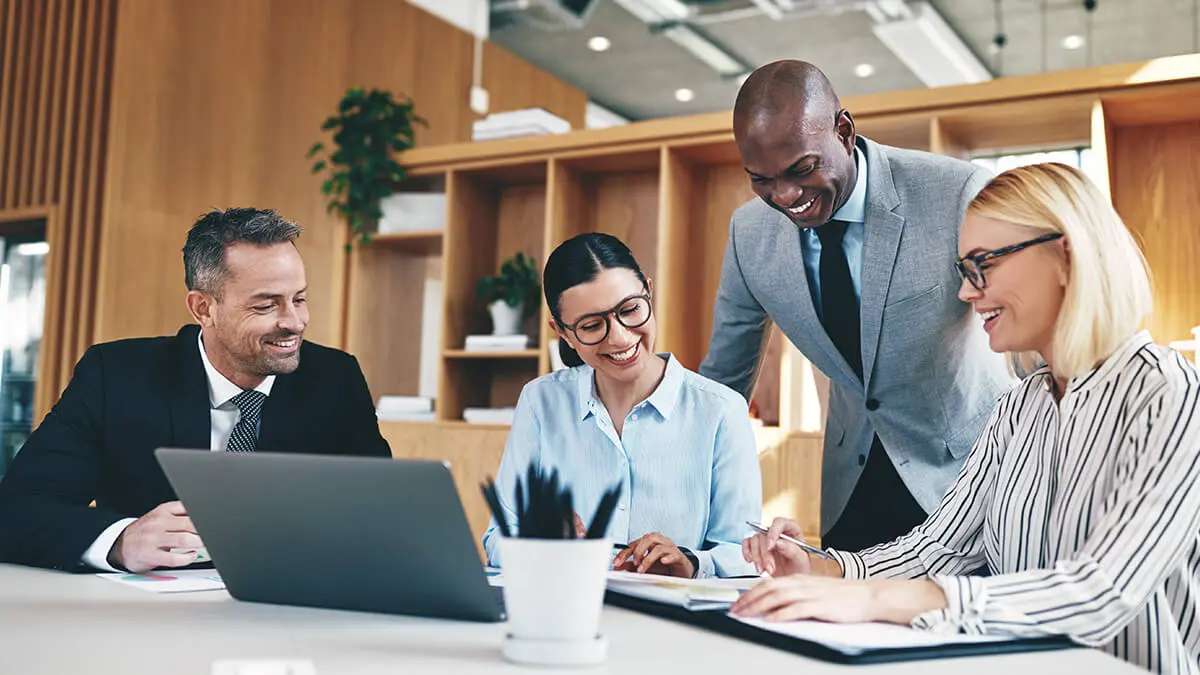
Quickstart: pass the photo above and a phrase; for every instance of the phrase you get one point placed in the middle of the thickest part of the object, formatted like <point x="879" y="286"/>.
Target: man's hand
<point x="146" y="544"/>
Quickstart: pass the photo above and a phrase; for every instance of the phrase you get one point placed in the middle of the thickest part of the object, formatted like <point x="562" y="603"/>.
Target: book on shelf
<point x="503" y="416"/>
<point x="405" y="409"/>
<point x="515" y="123"/>
<point x="496" y="343"/>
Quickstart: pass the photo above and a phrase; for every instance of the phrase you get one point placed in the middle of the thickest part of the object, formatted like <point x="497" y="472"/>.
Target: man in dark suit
<point x="243" y="380"/>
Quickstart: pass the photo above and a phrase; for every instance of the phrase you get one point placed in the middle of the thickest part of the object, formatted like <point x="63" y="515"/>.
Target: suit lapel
<point x="881" y="242"/>
<point x="191" y="426"/>
<point x="273" y="426"/>
<point x="811" y="337"/>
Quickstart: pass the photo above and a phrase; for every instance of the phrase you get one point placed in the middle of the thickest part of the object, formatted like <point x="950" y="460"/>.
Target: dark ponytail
<point x="579" y="260"/>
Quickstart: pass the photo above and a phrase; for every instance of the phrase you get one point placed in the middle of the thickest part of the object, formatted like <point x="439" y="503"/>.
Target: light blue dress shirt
<point x="686" y="461"/>
<point x="854" y="212"/>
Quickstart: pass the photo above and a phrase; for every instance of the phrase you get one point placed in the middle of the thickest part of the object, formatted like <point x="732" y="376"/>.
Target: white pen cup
<point x="554" y="595"/>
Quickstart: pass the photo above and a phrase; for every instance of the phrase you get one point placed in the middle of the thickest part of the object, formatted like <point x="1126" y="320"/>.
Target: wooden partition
<point x="198" y="124"/>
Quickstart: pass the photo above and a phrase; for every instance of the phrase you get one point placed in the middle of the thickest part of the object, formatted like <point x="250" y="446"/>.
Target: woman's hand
<point x="840" y="600"/>
<point x="654" y="554"/>
<point x="779" y="558"/>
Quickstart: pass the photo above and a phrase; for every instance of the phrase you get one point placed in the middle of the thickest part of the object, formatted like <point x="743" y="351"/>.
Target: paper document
<point x="170" y="581"/>
<point x="858" y="638"/>
<point x="693" y="594"/>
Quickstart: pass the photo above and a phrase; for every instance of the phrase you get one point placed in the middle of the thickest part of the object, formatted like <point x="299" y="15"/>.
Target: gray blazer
<point x="929" y="374"/>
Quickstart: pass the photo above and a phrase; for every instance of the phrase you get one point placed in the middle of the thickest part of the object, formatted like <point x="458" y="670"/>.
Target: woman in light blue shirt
<point x="680" y="445"/>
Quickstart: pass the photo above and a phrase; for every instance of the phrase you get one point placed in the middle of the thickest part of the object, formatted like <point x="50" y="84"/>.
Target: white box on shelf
<point x="496" y="343"/>
<point x="412" y="212"/>
<point x="406" y="403"/>
<point x="502" y="416"/>
<point x="406" y="417"/>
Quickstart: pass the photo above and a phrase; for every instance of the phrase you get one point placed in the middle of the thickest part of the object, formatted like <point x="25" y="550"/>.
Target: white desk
<point x="52" y="622"/>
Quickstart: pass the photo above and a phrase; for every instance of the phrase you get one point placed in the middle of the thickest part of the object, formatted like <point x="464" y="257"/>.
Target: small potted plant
<point x="368" y="129"/>
<point x="512" y="295"/>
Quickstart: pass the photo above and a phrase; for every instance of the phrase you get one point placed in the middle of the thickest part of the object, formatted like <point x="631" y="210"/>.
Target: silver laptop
<point x="370" y="534"/>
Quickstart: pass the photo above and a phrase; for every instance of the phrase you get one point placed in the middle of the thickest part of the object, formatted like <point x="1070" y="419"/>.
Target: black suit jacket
<point x="130" y="397"/>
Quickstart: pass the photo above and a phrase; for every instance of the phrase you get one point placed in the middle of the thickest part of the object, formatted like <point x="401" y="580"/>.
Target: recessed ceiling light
<point x="599" y="43"/>
<point x="684" y="95"/>
<point x="864" y="70"/>
<point x="1072" y="42"/>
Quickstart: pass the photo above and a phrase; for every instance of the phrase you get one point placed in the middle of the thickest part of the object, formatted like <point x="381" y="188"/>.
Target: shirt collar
<point x="663" y="398"/>
<point x="855" y="208"/>
<point x="220" y="389"/>
<point x="1114" y="364"/>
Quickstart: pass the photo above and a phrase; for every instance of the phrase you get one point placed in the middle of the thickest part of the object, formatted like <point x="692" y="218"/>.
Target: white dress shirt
<point x="223" y="415"/>
<point x="1085" y="510"/>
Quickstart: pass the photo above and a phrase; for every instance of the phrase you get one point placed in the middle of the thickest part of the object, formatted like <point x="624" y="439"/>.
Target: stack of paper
<point x="405" y="409"/>
<point x="496" y="343"/>
<point x="502" y="416"/>
<point x="693" y="594"/>
<point x="528" y="122"/>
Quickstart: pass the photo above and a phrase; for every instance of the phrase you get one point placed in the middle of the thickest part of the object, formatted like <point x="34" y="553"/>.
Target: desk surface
<point x="53" y="622"/>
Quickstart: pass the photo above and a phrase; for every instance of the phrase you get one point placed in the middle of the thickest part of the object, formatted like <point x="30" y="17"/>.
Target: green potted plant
<point x="368" y="129"/>
<point x="511" y="295"/>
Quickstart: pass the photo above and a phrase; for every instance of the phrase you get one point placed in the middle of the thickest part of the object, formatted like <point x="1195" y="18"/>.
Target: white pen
<point x="807" y="547"/>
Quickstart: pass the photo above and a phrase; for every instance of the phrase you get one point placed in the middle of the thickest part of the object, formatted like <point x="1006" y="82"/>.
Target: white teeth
<point x="286" y="344"/>
<point x="800" y="209"/>
<point x="625" y="355"/>
<point x="990" y="314"/>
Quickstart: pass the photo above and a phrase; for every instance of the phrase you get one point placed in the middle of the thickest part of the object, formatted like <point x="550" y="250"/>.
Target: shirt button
<point x="872" y="404"/>
<point x="633" y="417"/>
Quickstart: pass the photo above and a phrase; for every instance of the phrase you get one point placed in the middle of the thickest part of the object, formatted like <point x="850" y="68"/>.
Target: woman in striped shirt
<point x="1082" y="494"/>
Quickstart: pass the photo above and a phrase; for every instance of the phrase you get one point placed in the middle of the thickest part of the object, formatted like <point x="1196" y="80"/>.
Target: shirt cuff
<point x="96" y="556"/>
<point x="965" y="601"/>
<point x="853" y="566"/>
<point x="707" y="569"/>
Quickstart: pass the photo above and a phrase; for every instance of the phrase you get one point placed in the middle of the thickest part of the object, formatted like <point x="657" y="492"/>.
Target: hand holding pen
<point x="780" y="551"/>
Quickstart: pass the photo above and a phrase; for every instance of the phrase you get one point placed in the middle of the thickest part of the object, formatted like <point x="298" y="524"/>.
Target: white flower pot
<point x="506" y="320"/>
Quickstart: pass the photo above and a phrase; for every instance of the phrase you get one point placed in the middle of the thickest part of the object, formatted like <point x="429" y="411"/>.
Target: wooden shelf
<point x="420" y="242"/>
<point x="464" y="354"/>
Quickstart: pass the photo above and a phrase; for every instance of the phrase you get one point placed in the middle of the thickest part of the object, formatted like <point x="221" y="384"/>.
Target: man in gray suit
<point x="850" y="250"/>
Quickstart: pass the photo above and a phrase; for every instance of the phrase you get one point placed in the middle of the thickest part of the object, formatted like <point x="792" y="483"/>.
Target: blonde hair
<point x="1108" y="292"/>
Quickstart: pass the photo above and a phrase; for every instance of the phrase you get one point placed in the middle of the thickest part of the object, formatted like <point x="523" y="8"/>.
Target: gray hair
<point x="204" y="253"/>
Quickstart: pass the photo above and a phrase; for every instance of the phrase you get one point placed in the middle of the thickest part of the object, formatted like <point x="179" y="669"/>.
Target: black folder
<point x="719" y="622"/>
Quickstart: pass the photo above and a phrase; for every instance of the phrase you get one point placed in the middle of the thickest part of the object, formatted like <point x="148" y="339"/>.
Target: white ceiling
<point x="638" y="75"/>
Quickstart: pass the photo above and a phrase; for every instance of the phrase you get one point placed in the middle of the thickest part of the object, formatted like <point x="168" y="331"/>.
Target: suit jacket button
<point x="872" y="404"/>
<point x="862" y="459"/>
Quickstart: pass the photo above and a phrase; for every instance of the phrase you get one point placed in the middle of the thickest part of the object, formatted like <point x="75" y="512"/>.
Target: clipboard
<point x="718" y="621"/>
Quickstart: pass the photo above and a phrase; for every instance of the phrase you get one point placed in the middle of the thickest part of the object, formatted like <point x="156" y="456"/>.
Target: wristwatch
<point x="690" y="555"/>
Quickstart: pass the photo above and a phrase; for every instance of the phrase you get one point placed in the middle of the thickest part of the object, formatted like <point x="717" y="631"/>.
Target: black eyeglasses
<point x="592" y="329"/>
<point x="971" y="267"/>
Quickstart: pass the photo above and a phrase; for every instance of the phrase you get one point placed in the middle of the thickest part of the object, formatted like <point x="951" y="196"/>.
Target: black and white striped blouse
<point x="1086" y="511"/>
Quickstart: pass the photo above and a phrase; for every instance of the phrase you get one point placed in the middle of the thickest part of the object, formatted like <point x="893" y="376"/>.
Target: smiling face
<point x="800" y="162"/>
<point x="625" y="354"/>
<point x="255" y="326"/>
<point x="1024" y="291"/>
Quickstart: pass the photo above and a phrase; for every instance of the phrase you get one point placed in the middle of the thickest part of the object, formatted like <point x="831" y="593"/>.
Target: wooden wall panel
<point x="1155" y="170"/>
<point x="198" y="125"/>
<point x="55" y="70"/>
